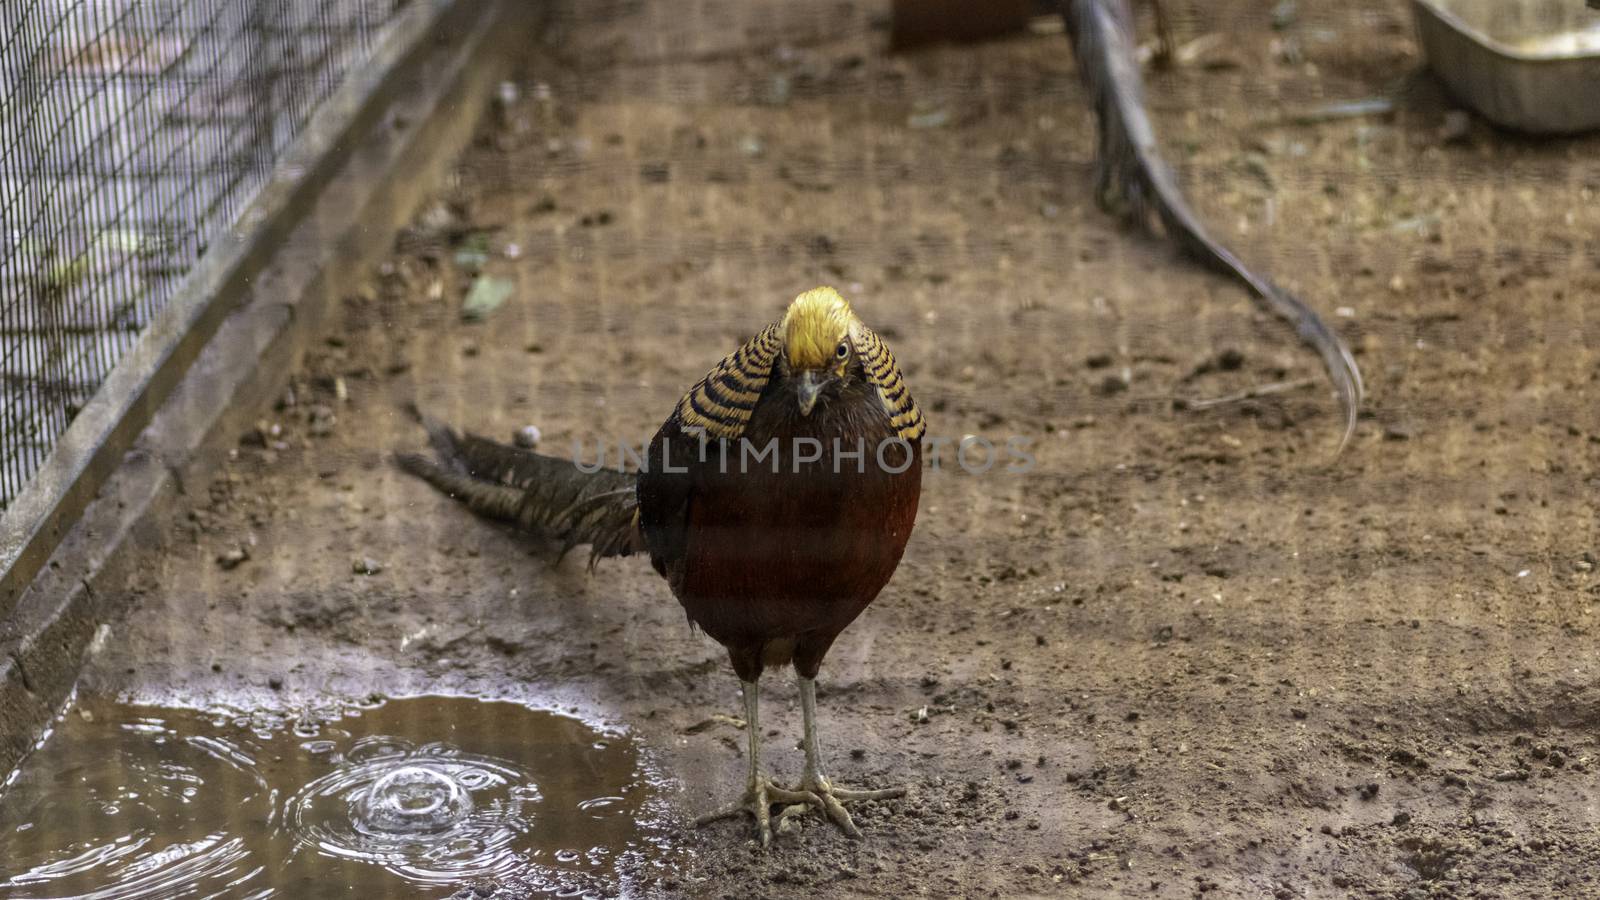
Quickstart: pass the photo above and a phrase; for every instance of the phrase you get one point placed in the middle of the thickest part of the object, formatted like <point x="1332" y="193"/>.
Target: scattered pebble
<point x="1111" y="384"/>
<point x="232" y="559"/>
<point x="1457" y="127"/>
<point x="1397" y="431"/>
<point x="320" y="420"/>
<point x="527" y="437"/>
<point x="366" y="566"/>
<point x="1285" y="14"/>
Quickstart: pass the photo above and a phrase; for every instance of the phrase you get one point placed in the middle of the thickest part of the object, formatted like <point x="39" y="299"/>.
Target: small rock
<point x="527" y="437"/>
<point x="778" y="90"/>
<point x="232" y="559"/>
<point x="321" y="420"/>
<point x="1457" y="127"/>
<point x="1111" y="384"/>
<point x="1285" y="14"/>
<point x="1397" y="431"/>
<point x="1401" y="818"/>
<point x="275" y="683"/>
<point x="366" y="566"/>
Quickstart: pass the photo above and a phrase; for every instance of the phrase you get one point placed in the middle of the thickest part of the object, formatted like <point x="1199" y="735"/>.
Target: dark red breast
<point x="777" y="563"/>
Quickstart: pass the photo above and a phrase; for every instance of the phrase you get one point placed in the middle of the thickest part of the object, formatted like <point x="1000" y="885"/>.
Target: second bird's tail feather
<point x="534" y="492"/>
<point x="1131" y="170"/>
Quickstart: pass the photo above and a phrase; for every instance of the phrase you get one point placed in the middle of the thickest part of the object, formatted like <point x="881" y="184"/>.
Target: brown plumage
<point x="776" y="500"/>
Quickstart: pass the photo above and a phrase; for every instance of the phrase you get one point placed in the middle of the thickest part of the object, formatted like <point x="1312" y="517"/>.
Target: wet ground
<point x="1186" y="653"/>
<point x="407" y="797"/>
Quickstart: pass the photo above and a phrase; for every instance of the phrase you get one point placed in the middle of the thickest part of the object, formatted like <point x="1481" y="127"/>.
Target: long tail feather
<point x="531" y="491"/>
<point x="1131" y="169"/>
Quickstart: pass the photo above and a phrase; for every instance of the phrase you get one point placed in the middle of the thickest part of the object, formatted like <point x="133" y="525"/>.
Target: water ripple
<point x="430" y="814"/>
<point x="138" y="803"/>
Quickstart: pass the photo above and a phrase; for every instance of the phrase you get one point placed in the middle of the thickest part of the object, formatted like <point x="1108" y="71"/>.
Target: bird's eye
<point x="843" y="350"/>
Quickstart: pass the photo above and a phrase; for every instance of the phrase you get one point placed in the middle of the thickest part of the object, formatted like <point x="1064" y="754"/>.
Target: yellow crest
<point x="721" y="403"/>
<point x="813" y="327"/>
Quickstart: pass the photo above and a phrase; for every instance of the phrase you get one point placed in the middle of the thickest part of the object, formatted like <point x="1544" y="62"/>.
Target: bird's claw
<point x="829" y="801"/>
<point x="758" y="800"/>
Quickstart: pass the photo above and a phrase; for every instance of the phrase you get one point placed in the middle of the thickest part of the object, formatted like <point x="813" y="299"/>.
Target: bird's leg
<point x="760" y="792"/>
<point x="828" y="800"/>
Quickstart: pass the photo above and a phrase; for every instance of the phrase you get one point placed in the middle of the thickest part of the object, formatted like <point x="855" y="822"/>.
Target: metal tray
<point x="1531" y="65"/>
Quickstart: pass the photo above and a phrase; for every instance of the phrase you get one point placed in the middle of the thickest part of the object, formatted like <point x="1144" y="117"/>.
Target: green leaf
<point x="484" y="297"/>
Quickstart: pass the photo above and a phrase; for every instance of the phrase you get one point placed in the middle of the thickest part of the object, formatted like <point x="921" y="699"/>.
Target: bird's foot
<point x="759" y="798"/>
<point x="819" y="793"/>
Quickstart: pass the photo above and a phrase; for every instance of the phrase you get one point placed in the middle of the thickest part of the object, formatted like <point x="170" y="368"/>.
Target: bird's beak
<point x="810" y="389"/>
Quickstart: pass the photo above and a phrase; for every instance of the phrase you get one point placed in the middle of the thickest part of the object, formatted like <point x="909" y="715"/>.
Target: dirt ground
<point x="1188" y="653"/>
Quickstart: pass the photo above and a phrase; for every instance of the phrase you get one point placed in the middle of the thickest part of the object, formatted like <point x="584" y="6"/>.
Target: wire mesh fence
<point x="131" y="133"/>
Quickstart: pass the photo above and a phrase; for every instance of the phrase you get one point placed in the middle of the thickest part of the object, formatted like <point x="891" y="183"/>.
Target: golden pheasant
<point x="776" y="500"/>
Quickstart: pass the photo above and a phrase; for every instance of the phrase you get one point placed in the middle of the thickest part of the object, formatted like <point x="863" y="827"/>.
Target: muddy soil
<point x="1188" y="653"/>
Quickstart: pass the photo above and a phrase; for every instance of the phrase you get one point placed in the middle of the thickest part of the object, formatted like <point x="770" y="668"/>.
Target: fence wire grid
<point x="131" y="132"/>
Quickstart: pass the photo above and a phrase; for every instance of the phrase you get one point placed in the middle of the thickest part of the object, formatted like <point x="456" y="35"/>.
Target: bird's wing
<point x="884" y="373"/>
<point x="720" y="403"/>
<point x="1131" y="165"/>
<point x="717" y="407"/>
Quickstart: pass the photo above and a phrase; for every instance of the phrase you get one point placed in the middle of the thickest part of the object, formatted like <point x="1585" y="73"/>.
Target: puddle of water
<point x="406" y="797"/>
